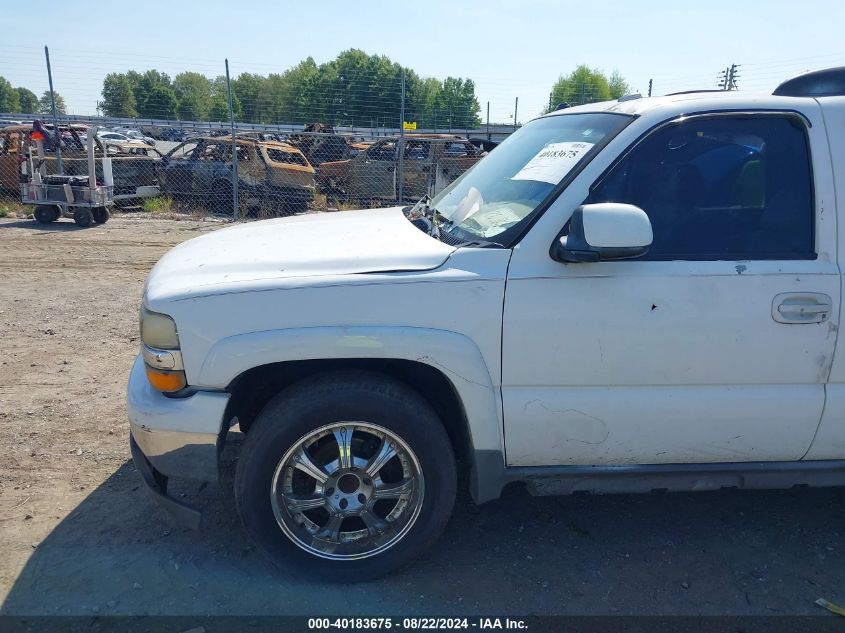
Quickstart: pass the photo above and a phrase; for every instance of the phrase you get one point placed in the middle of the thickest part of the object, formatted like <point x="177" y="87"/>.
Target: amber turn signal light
<point x="166" y="380"/>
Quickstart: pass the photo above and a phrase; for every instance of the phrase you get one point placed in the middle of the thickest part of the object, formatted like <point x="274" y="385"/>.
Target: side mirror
<point x="606" y="231"/>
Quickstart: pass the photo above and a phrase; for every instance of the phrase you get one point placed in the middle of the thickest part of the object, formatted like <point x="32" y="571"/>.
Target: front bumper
<point x="173" y="437"/>
<point x="131" y="193"/>
<point x="157" y="484"/>
<point x="295" y="194"/>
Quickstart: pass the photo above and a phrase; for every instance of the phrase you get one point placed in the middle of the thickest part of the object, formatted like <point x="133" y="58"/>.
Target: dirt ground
<point x="80" y="535"/>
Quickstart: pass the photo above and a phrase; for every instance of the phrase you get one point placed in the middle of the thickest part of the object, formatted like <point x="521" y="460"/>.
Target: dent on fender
<point x="454" y="354"/>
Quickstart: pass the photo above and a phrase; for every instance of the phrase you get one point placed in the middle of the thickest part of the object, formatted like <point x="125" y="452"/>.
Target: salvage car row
<point x="277" y="174"/>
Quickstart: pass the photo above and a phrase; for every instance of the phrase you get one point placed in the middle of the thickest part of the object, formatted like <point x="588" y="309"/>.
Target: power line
<point x="729" y="77"/>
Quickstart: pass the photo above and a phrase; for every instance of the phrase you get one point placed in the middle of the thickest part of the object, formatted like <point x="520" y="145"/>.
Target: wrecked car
<point x="272" y="176"/>
<point x="133" y="165"/>
<point x="431" y="162"/>
<point x="321" y="144"/>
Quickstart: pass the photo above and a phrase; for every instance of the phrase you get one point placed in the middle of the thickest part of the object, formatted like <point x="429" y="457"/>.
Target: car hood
<point x="255" y="255"/>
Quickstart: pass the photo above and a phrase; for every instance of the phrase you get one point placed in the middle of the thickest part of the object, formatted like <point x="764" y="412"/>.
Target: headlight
<point x="158" y="330"/>
<point x="160" y="347"/>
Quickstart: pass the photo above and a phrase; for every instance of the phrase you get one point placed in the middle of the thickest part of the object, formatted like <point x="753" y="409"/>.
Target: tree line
<point x="586" y="85"/>
<point x="25" y="101"/>
<point x="354" y="89"/>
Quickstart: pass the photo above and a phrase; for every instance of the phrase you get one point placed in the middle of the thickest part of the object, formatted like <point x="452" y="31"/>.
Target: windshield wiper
<point x="437" y="221"/>
<point x="439" y="224"/>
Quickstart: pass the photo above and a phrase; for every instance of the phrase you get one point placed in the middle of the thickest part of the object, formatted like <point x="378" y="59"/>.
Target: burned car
<point x="321" y="144"/>
<point x="431" y="162"/>
<point x="272" y="176"/>
<point x="133" y="166"/>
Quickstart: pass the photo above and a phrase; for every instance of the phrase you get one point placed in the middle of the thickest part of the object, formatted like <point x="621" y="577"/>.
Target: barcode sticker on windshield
<point x="553" y="162"/>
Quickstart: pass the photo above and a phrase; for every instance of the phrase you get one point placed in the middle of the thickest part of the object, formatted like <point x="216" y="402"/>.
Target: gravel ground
<point x="82" y="536"/>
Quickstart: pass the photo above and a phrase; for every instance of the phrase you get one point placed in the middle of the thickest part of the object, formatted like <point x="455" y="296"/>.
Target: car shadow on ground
<point x="58" y="225"/>
<point x="727" y="552"/>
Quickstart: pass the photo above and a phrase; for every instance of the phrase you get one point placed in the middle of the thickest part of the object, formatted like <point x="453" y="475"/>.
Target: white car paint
<point x="607" y="363"/>
<point x="829" y="442"/>
<point x="615" y="225"/>
<point x="691" y="365"/>
<point x="258" y="255"/>
<point x="455" y="354"/>
<point x="440" y="317"/>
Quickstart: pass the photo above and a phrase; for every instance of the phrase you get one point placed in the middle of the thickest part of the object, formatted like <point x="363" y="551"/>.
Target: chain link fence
<point x="256" y="173"/>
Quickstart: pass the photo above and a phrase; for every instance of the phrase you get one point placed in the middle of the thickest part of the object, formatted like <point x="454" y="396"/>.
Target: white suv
<point x="623" y="296"/>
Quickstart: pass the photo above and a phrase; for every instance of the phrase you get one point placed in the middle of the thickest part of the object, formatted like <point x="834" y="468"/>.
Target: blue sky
<point x="510" y="49"/>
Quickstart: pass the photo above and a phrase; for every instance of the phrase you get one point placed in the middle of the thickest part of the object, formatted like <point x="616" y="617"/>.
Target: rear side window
<point x="460" y="149"/>
<point x="183" y="151"/>
<point x="723" y="188"/>
<point x="386" y="150"/>
<point x="281" y="156"/>
<point x="417" y="150"/>
<point x="243" y="153"/>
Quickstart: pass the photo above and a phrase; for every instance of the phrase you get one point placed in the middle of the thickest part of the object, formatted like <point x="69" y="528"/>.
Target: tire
<point x="46" y="213"/>
<point x="83" y="217"/>
<point x="275" y="206"/>
<point x="380" y="414"/>
<point x="101" y="214"/>
<point x="298" y="205"/>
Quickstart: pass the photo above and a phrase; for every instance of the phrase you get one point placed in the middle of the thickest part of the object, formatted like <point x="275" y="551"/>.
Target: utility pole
<point x="734" y="77"/>
<point x="650" y="81"/>
<point x="723" y="78"/>
<point x="488" y="120"/>
<point x="57" y="134"/>
<point x="234" y="145"/>
<point x="401" y="147"/>
<point x="515" y="108"/>
<point x="551" y="94"/>
<point x="729" y="77"/>
<point x="466" y="122"/>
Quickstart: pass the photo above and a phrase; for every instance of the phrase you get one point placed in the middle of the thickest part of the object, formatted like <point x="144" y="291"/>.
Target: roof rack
<point x="829" y="82"/>
<point x="692" y="92"/>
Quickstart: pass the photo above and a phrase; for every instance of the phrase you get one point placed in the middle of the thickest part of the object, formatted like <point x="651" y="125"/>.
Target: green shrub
<point x="159" y="204"/>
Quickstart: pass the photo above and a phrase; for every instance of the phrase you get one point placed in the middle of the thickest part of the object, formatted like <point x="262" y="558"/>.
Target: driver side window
<point x="214" y="152"/>
<point x="385" y="150"/>
<point x="724" y="188"/>
<point x="183" y="152"/>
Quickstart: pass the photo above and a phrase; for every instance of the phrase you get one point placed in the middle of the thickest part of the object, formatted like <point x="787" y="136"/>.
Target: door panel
<point x="662" y="368"/>
<point x="829" y="442"/>
<point x="617" y="425"/>
<point x="178" y="171"/>
<point x="373" y="174"/>
<point x="686" y="357"/>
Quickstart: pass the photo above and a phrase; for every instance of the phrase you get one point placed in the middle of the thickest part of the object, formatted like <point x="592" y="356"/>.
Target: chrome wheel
<point x="348" y="490"/>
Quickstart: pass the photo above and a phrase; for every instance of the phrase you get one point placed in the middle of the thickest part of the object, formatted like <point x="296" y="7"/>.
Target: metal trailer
<point x="79" y="197"/>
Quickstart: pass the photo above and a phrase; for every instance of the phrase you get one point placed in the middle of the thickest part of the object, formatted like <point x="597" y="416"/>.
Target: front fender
<point x="455" y="355"/>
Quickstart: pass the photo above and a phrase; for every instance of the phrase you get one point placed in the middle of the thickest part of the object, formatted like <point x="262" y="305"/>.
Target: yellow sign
<point x="409" y="126"/>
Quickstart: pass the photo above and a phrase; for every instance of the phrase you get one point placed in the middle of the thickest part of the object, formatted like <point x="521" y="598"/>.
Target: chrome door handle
<point x="802" y="307"/>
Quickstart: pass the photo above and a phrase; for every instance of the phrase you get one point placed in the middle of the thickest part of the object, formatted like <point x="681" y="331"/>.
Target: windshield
<point x="494" y="199"/>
